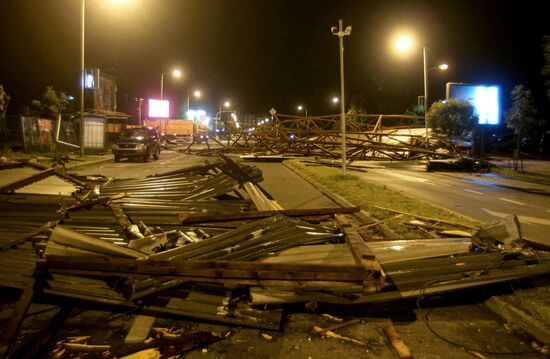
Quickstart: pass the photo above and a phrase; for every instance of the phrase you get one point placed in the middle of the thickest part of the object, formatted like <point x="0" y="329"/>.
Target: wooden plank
<point x="397" y="343"/>
<point x="362" y="254"/>
<point x="12" y="327"/>
<point x="10" y="187"/>
<point x="191" y="218"/>
<point x="141" y="326"/>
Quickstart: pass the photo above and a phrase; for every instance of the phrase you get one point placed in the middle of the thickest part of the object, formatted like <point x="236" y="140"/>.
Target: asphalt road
<point x="485" y="197"/>
<point x="286" y="187"/>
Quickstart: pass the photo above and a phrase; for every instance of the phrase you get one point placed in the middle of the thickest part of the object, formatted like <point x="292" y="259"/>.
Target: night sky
<point x="278" y="53"/>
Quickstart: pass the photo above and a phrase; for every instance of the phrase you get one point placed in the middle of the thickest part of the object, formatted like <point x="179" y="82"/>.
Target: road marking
<point x="472" y="191"/>
<point x="511" y="201"/>
<point x="522" y="219"/>
<point x="416" y="179"/>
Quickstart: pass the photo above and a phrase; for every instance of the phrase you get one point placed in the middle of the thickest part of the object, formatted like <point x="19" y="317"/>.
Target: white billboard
<point x="484" y="98"/>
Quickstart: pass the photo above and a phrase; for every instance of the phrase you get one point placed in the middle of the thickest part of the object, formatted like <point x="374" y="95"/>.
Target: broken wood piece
<point x="398" y="344"/>
<point x="424" y="217"/>
<point x="362" y="254"/>
<point x="150" y="353"/>
<point x="87" y="348"/>
<point x="337" y="326"/>
<point x="191" y="218"/>
<point x="140" y="329"/>
<point x="267" y="336"/>
<point x="78" y="339"/>
<point x="333" y="318"/>
<point x="455" y="233"/>
<point x="331" y="334"/>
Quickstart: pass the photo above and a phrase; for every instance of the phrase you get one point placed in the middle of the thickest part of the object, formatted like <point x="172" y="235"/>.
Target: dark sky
<point x="277" y="53"/>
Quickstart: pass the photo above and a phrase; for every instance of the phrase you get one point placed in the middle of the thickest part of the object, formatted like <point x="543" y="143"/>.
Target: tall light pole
<point x="301" y="108"/>
<point x="82" y="74"/>
<point x="176" y="73"/>
<point x="340" y="32"/>
<point x="403" y="44"/>
<point x="425" y="60"/>
<point x="196" y="94"/>
<point x="226" y="104"/>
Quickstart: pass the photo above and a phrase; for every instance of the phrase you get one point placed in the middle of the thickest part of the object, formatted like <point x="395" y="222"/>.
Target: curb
<point x="323" y="189"/>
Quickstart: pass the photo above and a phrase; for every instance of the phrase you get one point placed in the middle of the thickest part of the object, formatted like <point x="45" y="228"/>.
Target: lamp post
<point x="404" y="43"/>
<point x="82" y="74"/>
<point x="196" y="94"/>
<point x="340" y="32"/>
<point x="302" y="108"/>
<point x="226" y="104"/>
<point x="176" y="73"/>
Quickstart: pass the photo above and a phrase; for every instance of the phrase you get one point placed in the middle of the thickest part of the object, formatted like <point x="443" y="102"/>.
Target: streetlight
<point x="226" y="104"/>
<point x="335" y="100"/>
<point x="340" y="32"/>
<point x="83" y="69"/>
<point x="404" y="44"/>
<point x="176" y="73"/>
<point x="301" y="108"/>
<point x="196" y="94"/>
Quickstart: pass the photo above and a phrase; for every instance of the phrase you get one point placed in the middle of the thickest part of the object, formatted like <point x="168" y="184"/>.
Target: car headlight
<point x="140" y="146"/>
<point x="115" y="146"/>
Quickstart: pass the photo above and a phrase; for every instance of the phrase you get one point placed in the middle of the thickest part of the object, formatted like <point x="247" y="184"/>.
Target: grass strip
<point x="369" y="196"/>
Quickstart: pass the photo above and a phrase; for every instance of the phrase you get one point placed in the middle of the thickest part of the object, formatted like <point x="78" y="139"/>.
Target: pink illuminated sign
<point x="159" y="108"/>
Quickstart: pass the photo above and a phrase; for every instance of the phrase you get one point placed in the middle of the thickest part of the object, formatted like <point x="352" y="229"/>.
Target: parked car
<point x="141" y="142"/>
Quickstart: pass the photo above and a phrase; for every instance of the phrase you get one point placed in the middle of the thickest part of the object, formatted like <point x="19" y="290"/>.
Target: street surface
<point x="483" y="196"/>
<point x="286" y="187"/>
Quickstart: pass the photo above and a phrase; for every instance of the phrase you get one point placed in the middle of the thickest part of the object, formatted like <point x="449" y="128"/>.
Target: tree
<point x="522" y="116"/>
<point x="452" y="117"/>
<point x="50" y="105"/>
<point x="415" y="111"/>
<point x="546" y="68"/>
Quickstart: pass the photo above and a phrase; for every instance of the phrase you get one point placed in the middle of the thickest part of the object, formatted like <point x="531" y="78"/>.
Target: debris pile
<point x="209" y="243"/>
<point x="368" y="137"/>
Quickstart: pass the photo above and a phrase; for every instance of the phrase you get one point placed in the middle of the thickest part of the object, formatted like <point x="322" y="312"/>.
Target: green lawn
<point x="369" y="196"/>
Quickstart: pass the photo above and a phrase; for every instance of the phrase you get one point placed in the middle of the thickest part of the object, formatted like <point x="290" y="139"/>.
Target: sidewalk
<point x="47" y="161"/>
<point x="540" y="167"/>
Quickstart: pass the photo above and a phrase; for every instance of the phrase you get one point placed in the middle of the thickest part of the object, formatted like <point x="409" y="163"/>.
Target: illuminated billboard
<point x="484" y="98"/>
<point x="159" y="108"/>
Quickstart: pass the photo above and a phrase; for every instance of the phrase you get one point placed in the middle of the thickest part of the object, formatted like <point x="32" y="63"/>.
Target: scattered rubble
<point x="209" y="243"/>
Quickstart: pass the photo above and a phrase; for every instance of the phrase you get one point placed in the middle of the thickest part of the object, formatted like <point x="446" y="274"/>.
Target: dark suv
<point x="139" y="142"/>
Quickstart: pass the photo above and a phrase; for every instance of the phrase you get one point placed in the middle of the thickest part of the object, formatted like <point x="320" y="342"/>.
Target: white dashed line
<point x="472" y="191"/>
<point x="511" y="201"/>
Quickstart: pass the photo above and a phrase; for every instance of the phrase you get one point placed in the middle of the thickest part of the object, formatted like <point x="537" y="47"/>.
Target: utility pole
<point x="340" y="32"/>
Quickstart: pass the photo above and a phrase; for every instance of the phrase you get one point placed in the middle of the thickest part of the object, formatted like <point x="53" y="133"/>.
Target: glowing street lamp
<point x="403" y="44"/>
<point x="176" y="73"/>
<point x="83" y="68"/>
<point x="196" y="94"/>
<point x="302" y="108"/>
